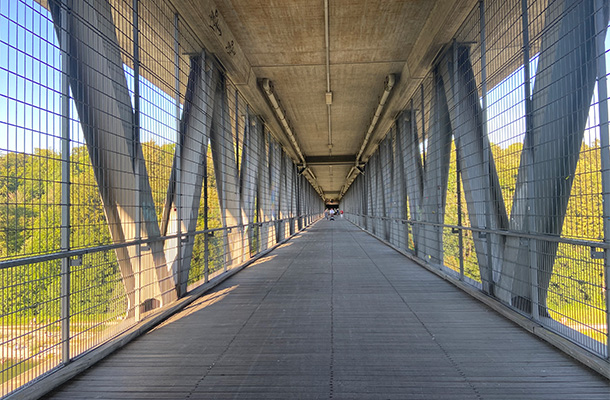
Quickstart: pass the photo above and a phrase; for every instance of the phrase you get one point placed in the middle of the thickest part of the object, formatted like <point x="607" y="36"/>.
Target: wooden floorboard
<point x="336" y="314"/>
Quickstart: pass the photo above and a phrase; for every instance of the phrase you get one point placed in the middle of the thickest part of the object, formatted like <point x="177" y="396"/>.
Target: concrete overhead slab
<point x="284" y="41"/>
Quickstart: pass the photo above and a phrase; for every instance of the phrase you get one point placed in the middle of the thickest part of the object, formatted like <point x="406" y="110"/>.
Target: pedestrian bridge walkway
<point x="334" y="313"/>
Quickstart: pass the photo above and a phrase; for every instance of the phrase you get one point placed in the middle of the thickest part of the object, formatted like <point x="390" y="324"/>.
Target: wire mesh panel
<point x="514" y="105"/>
<point x="131" y="171"/>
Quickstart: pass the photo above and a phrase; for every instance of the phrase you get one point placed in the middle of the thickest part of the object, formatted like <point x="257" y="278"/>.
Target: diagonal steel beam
<point x="479" y="178"/>
<point x="435" y="177"/>
<point x="194" y="138"/>
<point x="248" y="181"/>
<point x="562" y="94"/>
<point x="103" y="102"/>
<point x="414" y="173"/>
<point x="225" y="170"/>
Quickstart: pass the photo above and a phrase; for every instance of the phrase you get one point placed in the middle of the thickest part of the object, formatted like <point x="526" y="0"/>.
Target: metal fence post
<point x="528" y="148"/>
<point x="65" y="183"/>
<point x="179" y="141"/>
<point x="206" y="240"/>
<point x="486" y="151"/>
<point x="135" y="141"/>
<point x="602" y="90"/>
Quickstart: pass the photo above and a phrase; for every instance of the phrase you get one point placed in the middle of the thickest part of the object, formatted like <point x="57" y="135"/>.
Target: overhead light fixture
<point x="267" y="87"/>
<point x="390" y="80"/>
<point x="388" y="85"/>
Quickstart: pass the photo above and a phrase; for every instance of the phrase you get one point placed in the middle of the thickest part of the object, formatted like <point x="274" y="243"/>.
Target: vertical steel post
<point x="65" y="182"/>
<point x="135" y="141"/>
<point x="458" y="175"/>
<point x="411" y="211"/>
<point x="486" y="151"/>
<point x="423" y="125"/>
<point x="528" y="147"/>
<point x="602" y="90"/>
<point x="440" y="210"/>
<point x="457" y="160"/>
<point x="206" y="240"/>
<point x="179" y="141"/>
<point x="237" y="165"/>
<point x="237" y="131"/>
<point x="224" y="103"/>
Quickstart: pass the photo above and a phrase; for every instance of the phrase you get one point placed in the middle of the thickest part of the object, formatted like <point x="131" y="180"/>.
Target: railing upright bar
<point x="527" y="147"/>
<point x="179" y="141"/>
<point x="135" y="142"/>
<point x="487" y="150"/>
<point x="206" y="240"/>
<point x="602" y="89"/>
<point x="65" y="183"/>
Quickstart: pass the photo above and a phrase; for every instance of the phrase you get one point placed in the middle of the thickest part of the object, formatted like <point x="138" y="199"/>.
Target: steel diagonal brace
<point x="103" y="103"/>
<point x="565" y="80"/>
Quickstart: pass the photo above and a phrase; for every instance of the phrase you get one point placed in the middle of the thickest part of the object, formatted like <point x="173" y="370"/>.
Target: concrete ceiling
<point x="285" y="42"/>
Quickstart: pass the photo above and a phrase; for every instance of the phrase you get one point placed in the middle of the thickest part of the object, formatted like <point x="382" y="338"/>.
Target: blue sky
<point x="30" y="84"/>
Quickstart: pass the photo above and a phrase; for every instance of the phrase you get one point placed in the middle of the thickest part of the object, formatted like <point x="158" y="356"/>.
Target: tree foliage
<point x="577" y="283"/>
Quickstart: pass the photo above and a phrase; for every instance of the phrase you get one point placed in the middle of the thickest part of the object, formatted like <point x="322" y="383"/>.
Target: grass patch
<point x="13" y="368"/>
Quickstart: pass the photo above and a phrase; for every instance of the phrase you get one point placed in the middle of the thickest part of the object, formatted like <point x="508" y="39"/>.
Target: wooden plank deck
<point x="334" y="313"/>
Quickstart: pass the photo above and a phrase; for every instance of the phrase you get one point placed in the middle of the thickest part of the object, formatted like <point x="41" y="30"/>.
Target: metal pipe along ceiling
<point x="328" y="90"/>
<point x="389" y="83"/>
<point x="390" y="80"/>
<point x="268" y="88"/>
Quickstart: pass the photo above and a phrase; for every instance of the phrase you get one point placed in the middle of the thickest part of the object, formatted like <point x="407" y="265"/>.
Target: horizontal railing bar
<point x="524" y="235"/>
<point x="97" y="249"/>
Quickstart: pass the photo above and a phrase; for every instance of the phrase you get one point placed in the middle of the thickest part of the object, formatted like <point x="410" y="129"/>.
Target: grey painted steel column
<point x="529" y="153"/>
<point x="248" y="180"/>
<point x="263" y="189"/>
<point x="402" y="130"/>
<point x="193" y="141"/>
<point x="385" y="170"/>
<point x="182" y="266"/>
<point x="275" y="160"/>
<point x="414" y="174"/>
<point x="435" y="177"/>
<point x="368" y="211"/>
<point x="601" y="20"/>
<point x="378" y="195"/>
<point x="283" y="194"/>
<point x="365" y="200"/>
<point x="562" y="93"/>
<point x="299" y="206"/>
<point x="391" y="202"/>
<point x="225" y="169"/>
<point x="103" y="102"/>
<point x="481" y="187"/>
<point x="287" y="193"/>
<point x="388" y="187"/>
<point x="373" y="192"/>
<point x="135" y="140"/>
<point x="65" y="180"/>
<point x="293" y="198"/>
<point x="206" y="213"/>
<point x="287" y="181"/>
